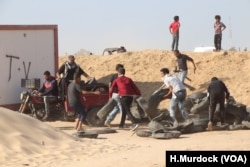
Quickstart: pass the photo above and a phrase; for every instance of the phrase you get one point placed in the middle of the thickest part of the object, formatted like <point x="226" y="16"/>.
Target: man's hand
<point x="97" y="92"/>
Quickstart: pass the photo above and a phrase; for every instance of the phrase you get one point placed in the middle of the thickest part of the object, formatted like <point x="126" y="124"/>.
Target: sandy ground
<point x="28" y="142"/>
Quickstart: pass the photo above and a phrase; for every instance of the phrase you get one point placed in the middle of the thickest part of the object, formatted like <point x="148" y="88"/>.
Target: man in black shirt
<point x="217" y="92"/>
<point x="66" y="74"/>
<point x="182" y="64"/>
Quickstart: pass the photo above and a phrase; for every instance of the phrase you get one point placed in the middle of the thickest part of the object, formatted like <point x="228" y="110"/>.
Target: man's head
<point x="164" y="71"/>
<point x="118" y="66"/>
<point x="46" y="75"/>
<point x="121" y="71"/>
<point x="217" y="17"/>
<point x="214" y="79"/>
<point x="71" y="59"/>
<point x="176" y="53"/>
<point x="176" y="18"/>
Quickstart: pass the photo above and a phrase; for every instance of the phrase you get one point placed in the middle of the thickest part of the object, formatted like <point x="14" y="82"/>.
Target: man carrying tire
<point x="176" y="87"/>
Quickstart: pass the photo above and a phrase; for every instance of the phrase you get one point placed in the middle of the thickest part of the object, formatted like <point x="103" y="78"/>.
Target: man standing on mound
<point x="218" y="28"/>
<point x="217" y="92"/>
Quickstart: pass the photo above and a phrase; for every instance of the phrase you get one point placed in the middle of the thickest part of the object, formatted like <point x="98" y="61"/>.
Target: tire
<point x="155" y="126"/>
<point x="203" y="122"/>
<point x="193" y="129"/>
<point x="198" y="95"/>
<point x="143" y="133"/>
<point x="106" y="109"/>
<point x="154" y="102"/>
<point x="201" y="107"/>
<point x="92" y="119"/>
<point x="102" y="131"/>
<point x="167" y="135"/>
<point x="85" y="134"/>
<point x="142" y="105"/>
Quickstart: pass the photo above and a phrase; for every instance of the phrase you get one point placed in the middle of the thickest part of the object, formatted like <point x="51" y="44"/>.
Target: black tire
<point x="143" y="133"/>
<point x="142" y="105"/>
<point x="203" y="122"/>
<point x="155" y="126"/>
<point x="198" y="95"/>
<point x="102" y="131"/>
<point x="167" y="135"/>
<point x="154" y="102"/>
<point x="193" y="129"/>
<point x="85" y="134"/>
<point x="201" y="107"/>
<point x="92" y="118"/>
<point x="106" y="109"/>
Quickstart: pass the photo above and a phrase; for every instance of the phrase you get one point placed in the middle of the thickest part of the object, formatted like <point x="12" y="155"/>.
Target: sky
<point x="94" y="25"/>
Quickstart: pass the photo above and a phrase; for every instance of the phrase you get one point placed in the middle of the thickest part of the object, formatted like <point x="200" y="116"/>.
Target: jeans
<point x="47" y="100"/>
<point x="182" y="75"/>
<point x="126" y="102"/>
<point x="217" y="41"/>
<point x="175" y="41"/>
<point x="117" y="108"/>
<point x="173" y="103"/>
<point x="80" y="110"/>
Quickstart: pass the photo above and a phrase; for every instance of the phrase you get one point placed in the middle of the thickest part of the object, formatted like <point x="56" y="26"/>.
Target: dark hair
<point x="176" y="18"/>
<point x="217" y="17"/>
<point x="165" y="71"/>
<point x="118" y="66"/>
<point x="214" y="79"/>
<point x="46" y="73"/>
<point x="177" y="51"/>
<point x="121" y="71"/>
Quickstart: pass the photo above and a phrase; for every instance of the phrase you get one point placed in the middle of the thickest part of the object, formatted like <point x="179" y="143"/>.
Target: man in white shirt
<point x="176" y="87"/>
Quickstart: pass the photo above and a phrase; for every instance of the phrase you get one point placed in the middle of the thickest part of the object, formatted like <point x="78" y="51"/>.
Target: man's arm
<point x="192" y="61"/>
<point x="170" y="90"/>
<point x="82" y="72"/>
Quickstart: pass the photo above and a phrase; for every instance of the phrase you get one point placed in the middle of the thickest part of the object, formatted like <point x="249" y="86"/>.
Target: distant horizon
<point x="137" y="25"/>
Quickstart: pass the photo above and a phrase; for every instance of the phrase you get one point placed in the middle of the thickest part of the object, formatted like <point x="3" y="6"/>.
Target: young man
<point x="49" y="91"/>
<point x="74" y="96"/>
<point x="182" y="64"/>
<point x="174" y="30"/>
<point x="217" y="92"/>
<point x="126" y="89"/>
<point x="66" y="74"/>
<point x="218" y="27"/>
<point x="178" y="91"/>
<point x="116" y="97"/>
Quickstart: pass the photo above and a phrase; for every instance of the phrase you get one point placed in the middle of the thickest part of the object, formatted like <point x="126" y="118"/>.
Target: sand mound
<point x="143" y="67"/>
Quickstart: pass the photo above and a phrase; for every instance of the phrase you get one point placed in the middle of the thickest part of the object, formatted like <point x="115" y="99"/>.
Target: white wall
<point x="27" y="45"/>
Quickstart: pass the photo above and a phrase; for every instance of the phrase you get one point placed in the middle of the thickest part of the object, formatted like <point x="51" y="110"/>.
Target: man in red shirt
<point x="174" y="30"/>
<point x="126" y="90"/>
